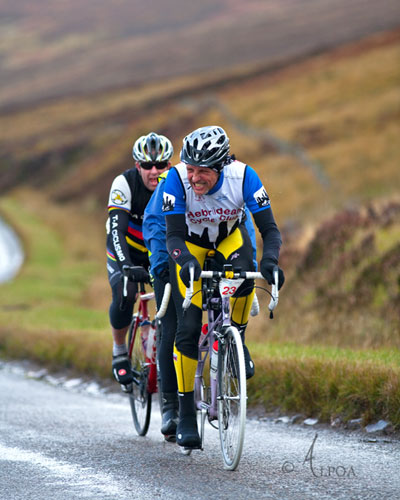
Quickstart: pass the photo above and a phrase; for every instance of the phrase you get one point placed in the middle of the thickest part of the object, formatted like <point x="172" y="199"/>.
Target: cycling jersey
<point x="127" y="201"/>
<point x="208" y="219"/>
<point x="154" y="230"/>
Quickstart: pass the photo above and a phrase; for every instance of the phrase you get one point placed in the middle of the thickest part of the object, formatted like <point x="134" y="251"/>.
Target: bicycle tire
<point x="139" y="398"/>
<point x="232" y="399"/>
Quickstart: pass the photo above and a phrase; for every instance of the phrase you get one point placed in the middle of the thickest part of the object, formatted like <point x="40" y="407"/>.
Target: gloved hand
<point x="137" y="273"/>
<point x="267" y="268"/>
<point x="184" y="272"/>
<point x="163" y="275"/>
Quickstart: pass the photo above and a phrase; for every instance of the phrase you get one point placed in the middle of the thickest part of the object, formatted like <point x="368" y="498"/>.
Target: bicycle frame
<point x="217" y="319"/>
<point x="142" y="321"/>
<point x="142" y="351"/>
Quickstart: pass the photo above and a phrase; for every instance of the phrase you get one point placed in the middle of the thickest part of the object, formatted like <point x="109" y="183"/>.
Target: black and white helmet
<point x="152" y="147"/>
<point x="206" y="147"/>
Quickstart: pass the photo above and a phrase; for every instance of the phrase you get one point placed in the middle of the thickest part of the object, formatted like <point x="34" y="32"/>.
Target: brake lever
<point x="274" y="292"/>
<point x="189" y="291"/>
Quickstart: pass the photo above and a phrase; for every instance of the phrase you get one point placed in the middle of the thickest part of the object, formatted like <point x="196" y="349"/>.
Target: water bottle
<point x="214" y="360"/>
<point x="151" y="344"/>
<point x="144" y="333"/>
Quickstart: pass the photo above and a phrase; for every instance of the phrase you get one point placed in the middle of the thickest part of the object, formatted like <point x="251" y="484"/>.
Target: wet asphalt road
<point x="60" y="442"/>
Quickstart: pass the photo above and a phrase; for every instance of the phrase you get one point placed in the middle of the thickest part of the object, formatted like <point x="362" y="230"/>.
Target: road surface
<point x="62" y="440"/>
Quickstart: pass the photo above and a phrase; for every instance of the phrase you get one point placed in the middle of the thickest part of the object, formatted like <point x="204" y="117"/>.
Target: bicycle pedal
<point x="190" y="448"/>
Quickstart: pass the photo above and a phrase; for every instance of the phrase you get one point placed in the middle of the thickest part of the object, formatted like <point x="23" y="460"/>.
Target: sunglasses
<point x="148" y="165"/>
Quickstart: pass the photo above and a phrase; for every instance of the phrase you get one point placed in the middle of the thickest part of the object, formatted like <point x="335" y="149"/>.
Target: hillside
<point x="340" y="110"/>
<point x="65" y="48"/>
<point x="343" y="289"/>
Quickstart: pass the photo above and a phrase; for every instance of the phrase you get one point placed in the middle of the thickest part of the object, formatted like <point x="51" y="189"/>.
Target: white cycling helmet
<point x="206" y="147"/>
<point x="152" y="147"/>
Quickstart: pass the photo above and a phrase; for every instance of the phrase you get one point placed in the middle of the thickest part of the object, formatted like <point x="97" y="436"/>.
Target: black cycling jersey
<point x="128" y="199"/>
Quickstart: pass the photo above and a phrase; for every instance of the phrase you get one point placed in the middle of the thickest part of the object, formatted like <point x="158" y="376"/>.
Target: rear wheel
<point x="139" y="398"/>
<point x="232" y="397"/>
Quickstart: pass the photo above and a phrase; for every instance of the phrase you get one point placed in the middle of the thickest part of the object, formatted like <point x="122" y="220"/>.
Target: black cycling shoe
<point x="248" y="362"/>
<point x="169" y="415"/>
<point x="122" y="369"/>
<point x="187" y="434"/>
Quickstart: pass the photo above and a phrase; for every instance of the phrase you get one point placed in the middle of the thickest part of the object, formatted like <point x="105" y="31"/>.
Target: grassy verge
<point x="47" y="313"/>
<point x="327" y="382"/>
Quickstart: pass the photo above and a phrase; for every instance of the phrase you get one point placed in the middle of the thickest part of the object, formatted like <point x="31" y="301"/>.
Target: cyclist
<point x="154" y="237"/>
<point x="129" y="195"/>
<point x="204" y="200"/>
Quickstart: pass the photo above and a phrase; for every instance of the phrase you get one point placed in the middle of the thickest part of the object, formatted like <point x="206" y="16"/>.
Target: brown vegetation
<point x="77" y="48"/>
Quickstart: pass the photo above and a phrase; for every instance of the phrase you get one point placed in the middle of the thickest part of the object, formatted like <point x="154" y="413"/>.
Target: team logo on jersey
<point x="118" y="197"/>
<point x="168" y="202"/>
<point x="176" y="253"/>
<point x="261" y="197"/>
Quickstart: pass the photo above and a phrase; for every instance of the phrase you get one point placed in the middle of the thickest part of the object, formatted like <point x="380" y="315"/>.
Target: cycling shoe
<point x="170" y="418"/>
<point x="248" y="363"/>
<point x="187" y="434"/>
<point x="122" y="369"/>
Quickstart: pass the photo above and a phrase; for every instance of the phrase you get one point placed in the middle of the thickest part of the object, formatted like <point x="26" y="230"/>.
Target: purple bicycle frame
<point x="216" y="319"/>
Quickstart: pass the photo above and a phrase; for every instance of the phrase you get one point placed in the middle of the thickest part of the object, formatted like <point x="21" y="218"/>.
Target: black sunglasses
<point x="148" y="165"/>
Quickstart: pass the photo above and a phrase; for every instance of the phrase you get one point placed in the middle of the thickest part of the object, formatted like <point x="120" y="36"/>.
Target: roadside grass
<point x="327" y="383"/>
<point x="50" y="291"/>
<point x="83" y="352"/>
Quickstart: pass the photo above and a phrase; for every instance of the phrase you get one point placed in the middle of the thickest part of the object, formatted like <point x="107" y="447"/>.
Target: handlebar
<point x="126" y="271"/>
<point x="234" y="275"/>
<point x="164" y="303"/>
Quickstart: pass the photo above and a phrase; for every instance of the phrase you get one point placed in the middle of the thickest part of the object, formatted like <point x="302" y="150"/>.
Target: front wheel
<point x="232" y="397"/>
<point x="139" y="398"/>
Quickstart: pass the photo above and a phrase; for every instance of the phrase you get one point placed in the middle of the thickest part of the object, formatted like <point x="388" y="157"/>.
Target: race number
<point x="228" y="287"/>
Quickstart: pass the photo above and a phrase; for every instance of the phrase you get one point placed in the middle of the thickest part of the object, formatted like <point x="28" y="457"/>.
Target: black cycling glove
<point x="267" y="268"/>
<point x="137" y="274"/>
<point x="163" y="275"/>
<point x="184" y="272"/>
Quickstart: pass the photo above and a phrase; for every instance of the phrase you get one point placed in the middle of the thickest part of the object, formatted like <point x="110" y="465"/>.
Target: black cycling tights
<point x="121" y="319"/>
<point x="166" y="347"/>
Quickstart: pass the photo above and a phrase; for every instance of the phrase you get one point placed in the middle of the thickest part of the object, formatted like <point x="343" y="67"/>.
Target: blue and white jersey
<point x="154" y="230"/>
<point x="211" y="217"/>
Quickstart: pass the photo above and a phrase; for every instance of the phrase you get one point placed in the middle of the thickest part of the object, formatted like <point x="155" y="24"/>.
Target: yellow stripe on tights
<point x="185" y="369"/>
<point x="241" y="307"/>
<point x="231" y="243"/>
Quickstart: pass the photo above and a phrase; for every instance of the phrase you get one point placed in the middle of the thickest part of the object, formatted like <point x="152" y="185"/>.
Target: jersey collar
<point x="218" y="184"/>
